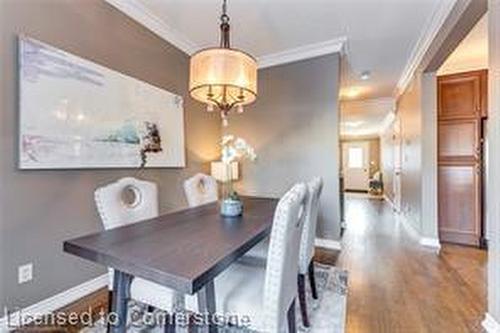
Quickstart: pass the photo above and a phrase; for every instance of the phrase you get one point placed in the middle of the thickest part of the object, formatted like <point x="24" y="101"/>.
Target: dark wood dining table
<point x="184" y="250"/>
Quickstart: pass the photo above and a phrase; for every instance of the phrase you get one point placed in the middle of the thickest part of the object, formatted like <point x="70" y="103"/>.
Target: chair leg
<point x="110" y="309"/>
<point x="170" y="324"/>
<point x="312" y="280"/>
<point x="121" y="294"/>
<point x="302" y="299"/>
<point x="292" y="325"/>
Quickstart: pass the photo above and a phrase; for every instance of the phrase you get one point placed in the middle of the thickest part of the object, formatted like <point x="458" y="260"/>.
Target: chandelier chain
<point x="224" y="17"/>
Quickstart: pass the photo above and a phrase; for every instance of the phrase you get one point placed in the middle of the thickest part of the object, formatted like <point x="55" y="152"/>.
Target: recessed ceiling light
<point x="365" y="75"/>
<point x="352" y="92"/>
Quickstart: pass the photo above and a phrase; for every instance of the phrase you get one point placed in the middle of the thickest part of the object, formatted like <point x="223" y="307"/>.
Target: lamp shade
<point x="224" y="172"/>
<point x="223" y="76"/>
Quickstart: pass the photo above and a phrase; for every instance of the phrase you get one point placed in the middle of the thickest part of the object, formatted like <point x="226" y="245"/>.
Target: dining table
<point x="184" y="250"/>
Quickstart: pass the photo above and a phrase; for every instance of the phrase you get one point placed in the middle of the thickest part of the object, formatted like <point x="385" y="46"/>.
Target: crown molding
<point x="303" y="52"/>
<point x="138" y="12"/>
<point x="428" y="34"/>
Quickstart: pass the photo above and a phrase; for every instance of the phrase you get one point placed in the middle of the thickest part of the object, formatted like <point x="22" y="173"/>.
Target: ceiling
<point x="381" y="35"/>
<point x="366" y="117"/>
<point x="471" y="53"/>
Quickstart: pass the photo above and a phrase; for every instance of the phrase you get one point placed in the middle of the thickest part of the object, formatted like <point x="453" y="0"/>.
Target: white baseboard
<point x="430" y="242"/>
<point x="53" y="303"/>
<point x="390" y="202"/>
<point x="329" y="244"/>
<point x="415" y="234"/>
<point x="490" y="324"/>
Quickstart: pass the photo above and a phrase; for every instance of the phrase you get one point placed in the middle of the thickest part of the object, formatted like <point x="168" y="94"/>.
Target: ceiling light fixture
<point x="352" y="92"/>
<point x="223" y="77"/>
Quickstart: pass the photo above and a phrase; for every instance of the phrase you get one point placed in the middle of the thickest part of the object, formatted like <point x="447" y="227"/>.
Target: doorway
<point x="356" y="165"/>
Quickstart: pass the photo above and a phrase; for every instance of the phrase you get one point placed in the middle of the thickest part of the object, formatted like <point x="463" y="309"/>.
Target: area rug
<point x="327" y="314"/>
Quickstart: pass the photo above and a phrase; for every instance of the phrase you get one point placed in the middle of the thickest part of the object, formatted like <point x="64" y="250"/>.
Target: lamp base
<point x="231" y="207"/>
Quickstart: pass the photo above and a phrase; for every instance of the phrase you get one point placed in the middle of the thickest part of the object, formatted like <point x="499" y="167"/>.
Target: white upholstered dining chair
<point x="200" y="189"/>
<point x="306" y="252"/>
<point x="265" y="294"/>
<point x="126" y="201"/>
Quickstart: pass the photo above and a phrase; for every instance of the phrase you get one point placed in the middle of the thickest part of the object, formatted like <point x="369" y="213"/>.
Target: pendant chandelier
<point x="223" y="78"/>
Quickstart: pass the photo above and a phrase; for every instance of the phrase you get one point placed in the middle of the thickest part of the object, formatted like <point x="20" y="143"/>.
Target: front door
<point x="356" y="164"/>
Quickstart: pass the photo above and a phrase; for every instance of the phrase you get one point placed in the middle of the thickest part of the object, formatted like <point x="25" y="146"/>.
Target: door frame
<point x="366" y="146"/>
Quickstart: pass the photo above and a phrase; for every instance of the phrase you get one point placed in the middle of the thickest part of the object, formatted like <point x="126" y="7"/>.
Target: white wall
<point x="429" y="213"/>
<point x="417" y="111"/>
<point x="493" y="194"/>
<point x="409" y="108"/>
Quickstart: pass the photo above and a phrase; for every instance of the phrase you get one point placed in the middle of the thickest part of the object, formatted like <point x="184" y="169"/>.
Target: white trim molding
<point x="329" y="244"/>
<point x="151" y="21"/>
<point x="53" y="303"/>
<point x="428" y="34"/>
<point x="141" y="14"/>
<point x="490" y="324"/>
<point x="430" y="242"/>
<point x="302" y="53"/>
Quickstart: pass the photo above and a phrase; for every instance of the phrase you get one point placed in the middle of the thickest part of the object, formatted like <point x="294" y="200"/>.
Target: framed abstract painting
<point x="77" y="114"/>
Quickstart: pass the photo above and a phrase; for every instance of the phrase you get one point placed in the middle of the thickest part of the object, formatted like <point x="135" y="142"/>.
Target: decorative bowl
<point x="231" y="207"/>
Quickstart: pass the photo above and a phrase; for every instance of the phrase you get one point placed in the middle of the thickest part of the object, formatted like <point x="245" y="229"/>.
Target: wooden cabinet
<point x="459" y="139"/>
<point x="462" y="95"/>
<point x="460" y="212"/>
<point x="462" y="109"/>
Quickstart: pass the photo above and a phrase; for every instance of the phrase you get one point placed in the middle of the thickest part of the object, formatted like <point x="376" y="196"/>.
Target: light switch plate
<point x="25" y="273"/>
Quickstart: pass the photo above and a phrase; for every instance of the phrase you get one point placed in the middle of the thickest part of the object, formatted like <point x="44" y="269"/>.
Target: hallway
<point x="396" y="285"/>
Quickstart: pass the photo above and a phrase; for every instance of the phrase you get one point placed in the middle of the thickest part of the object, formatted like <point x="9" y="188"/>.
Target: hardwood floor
<point x="396" y="285"/>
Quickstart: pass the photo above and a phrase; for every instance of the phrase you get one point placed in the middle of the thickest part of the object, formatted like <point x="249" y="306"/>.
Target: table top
<point x="182" y="250"/>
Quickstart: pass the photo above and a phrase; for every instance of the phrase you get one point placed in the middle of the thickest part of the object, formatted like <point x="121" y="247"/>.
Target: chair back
<point x="200" y="189"/>
<point x="116" y="210"/>
<point x="280" y="287"/>
<point x="306" y="252"/>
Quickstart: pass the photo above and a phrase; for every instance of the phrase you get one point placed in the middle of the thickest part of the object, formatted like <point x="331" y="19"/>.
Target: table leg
<point x="206" y="305"/>
<point x="121" y="294"/>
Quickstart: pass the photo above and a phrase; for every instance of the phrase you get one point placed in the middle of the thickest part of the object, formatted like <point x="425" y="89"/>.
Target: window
<point x="355" y="158"/>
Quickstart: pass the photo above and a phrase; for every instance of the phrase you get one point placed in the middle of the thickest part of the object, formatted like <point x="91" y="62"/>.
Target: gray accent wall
<point x="40" y="209"/>
<point x="294" y="126"/>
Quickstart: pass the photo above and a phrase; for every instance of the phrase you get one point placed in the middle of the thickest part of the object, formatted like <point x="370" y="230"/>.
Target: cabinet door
<point x="460" y="203"/>
<point x="460" y="95"/>
<point x="459" y="139"/>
